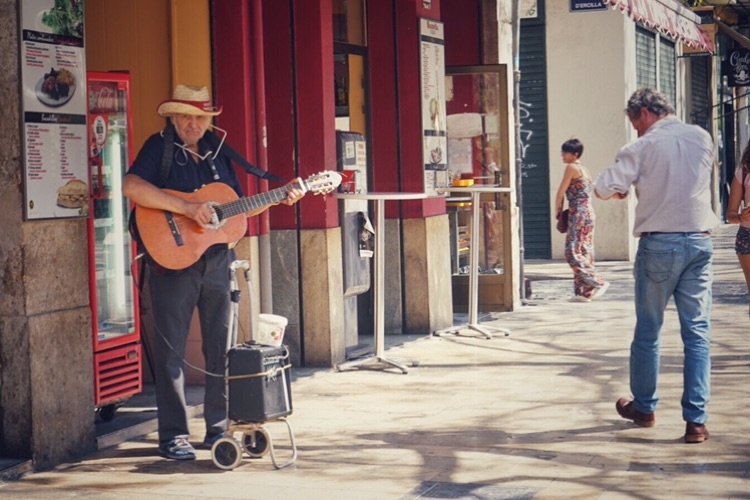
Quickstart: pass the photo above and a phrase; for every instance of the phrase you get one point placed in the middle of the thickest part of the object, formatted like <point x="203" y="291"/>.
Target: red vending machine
<point x="113" y="292"/>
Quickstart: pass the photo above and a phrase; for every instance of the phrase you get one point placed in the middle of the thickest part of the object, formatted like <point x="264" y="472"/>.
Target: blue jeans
<point x="678" y="265"/>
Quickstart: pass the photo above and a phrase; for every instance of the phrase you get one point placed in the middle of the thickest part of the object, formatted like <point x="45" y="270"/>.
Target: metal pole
<point x="264" y="224"/>
<point x="516" y="29"/>
<point x="474" y="259"/>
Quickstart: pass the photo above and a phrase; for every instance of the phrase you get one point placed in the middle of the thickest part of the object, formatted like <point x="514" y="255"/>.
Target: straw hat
<point x="189" y="100"/>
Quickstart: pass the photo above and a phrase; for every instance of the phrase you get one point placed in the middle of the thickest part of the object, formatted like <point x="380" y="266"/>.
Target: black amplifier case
<point x="260" y="387"/>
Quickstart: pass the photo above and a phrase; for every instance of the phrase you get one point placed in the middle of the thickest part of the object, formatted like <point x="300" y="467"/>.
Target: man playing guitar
<point x="173" y="161"/>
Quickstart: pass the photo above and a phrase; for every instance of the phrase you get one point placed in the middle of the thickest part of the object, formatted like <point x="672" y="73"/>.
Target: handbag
<point x="562" y="220"/>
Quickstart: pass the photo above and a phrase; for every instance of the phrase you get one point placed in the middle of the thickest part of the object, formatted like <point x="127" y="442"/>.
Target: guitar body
<point x="162" y="245"/>
<point x="176" y="242"/>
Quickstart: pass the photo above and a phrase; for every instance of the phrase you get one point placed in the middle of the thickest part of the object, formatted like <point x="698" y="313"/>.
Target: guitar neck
<point x="250" y="203"/>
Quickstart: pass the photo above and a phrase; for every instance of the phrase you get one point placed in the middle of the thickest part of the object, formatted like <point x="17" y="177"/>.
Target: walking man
<point x="670" y="165"/>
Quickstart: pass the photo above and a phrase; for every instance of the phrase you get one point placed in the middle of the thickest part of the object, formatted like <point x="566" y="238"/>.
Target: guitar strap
<point x="215" y="143"/>
<point x="233" y="155"/>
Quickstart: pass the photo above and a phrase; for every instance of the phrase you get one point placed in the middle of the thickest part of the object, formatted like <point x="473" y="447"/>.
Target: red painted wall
<point x="462" y="33"/>
<point x="299" y="93"/>
<point x="277" y="53"/>
<point x="462" y="48"/>
<point x="315" y="106"/>
<point x="233" y="84"/>
<point x="384" y="130"/>
<point x="408" y="66"/>
<point x="255" y="65"/>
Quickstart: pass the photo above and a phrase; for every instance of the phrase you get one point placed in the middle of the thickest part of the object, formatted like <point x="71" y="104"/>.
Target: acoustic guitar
<point x="175" y="241"/>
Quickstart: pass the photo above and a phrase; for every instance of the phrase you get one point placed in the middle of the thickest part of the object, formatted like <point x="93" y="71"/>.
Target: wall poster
<point x="432" y="92"/>
<point x="53" y="101"/>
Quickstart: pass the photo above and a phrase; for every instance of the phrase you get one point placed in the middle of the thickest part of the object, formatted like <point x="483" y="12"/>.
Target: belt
<point x="688" y="233"/>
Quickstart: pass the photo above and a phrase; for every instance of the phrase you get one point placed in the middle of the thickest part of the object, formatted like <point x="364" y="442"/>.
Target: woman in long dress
<point x="579" y="240"/>
<point x="738" y="212"/>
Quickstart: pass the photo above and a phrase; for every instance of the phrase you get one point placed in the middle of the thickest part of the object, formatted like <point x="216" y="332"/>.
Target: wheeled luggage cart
<point x="258" y="386"/>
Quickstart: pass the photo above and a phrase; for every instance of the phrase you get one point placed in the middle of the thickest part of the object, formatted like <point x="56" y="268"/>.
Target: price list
<point x="53" y="158"/>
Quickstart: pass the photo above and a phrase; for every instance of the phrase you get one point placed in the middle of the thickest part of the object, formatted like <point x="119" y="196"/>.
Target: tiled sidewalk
<point x="527" y="416"/>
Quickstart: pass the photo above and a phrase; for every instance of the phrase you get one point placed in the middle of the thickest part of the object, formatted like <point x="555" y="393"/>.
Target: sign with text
<point x="586" y="5"/>
<point x="53" y="83"/>
<point x="736" y="67"/>
<point x="432" y="92"/>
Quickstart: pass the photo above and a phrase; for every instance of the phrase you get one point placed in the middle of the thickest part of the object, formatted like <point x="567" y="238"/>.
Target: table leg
<point x="378" y="360"/>
<point x="473" y="307"/>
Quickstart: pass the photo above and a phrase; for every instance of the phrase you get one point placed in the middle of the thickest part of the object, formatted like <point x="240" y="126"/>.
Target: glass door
<point x="110" y="247"/>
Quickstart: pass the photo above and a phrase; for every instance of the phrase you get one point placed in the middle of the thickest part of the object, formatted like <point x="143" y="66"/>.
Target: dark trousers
<point x="174" y="295"/>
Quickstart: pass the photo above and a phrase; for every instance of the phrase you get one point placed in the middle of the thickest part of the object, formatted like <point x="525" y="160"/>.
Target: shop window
<point x="349" y="22"/>
<point x="349" y="64"/>
<point x="667" y="69"/>
<point x="645" y="58"/>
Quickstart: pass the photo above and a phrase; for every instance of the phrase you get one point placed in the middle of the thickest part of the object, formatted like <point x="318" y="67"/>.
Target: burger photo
<point x="73" y="194"/>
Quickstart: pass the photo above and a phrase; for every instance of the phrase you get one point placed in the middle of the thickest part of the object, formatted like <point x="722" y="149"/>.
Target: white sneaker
<point x="579" y="298"/>
<point x="600" y="291"/>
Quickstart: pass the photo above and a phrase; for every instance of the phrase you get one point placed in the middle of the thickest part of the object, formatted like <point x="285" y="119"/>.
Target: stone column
<point x="46" y="354"/>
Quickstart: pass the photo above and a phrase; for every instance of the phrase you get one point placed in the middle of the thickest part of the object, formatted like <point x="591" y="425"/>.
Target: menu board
<point x="432" y="90"/>
<point x="53" y="82"/>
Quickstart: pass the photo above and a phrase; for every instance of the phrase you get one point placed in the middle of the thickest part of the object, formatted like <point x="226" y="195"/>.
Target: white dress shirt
<point x="670" y="166"/>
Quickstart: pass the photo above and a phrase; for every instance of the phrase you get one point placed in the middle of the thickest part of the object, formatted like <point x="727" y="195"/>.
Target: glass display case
<point x="113" y="293"/>
<point x="478" y="155"/>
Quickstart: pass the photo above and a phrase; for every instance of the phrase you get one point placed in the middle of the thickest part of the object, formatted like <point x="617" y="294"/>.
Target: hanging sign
<point x="736" y="67"/>
<point x="53" y="83"/>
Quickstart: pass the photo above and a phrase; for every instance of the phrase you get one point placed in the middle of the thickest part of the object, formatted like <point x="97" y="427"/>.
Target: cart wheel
<point x="256" y="443"/>
<point x="226" y="453"/>
<point x="108" y="412"/>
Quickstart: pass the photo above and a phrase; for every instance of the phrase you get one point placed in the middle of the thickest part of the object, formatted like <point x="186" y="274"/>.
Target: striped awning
<point x="669" y="17"/>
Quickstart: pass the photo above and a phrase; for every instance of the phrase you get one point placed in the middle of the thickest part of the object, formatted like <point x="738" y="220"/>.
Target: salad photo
<point x="65" y="18"/>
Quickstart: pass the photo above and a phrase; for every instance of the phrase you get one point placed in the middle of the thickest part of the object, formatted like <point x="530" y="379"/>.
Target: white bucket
<point x="271" y="329"/>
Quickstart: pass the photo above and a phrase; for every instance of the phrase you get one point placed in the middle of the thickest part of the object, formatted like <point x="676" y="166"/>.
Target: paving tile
<point x="528" y="414"/>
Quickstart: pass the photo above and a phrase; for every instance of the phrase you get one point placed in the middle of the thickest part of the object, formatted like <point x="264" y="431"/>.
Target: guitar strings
<point x="239" y="206"/>
<point x="232" y="208"/>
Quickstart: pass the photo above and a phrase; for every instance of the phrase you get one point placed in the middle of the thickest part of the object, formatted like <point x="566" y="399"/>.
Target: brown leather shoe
<point x="626" y="410"/>
<point x="695" y="433"/>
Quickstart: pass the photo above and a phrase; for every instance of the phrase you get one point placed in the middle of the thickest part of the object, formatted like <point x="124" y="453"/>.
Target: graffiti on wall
<point x="525" y="118"/>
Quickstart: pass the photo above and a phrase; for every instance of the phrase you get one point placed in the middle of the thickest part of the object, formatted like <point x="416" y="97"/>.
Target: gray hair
<point x="648" y="98"/>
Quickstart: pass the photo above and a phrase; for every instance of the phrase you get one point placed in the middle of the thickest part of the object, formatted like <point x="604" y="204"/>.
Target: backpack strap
<point x="166" y="156"/>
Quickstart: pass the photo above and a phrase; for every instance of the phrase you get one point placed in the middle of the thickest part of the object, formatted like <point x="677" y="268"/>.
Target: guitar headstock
<point x="323" y="182"/>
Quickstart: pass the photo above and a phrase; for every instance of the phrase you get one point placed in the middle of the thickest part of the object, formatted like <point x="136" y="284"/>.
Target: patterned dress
<point x="579" y="241"/>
